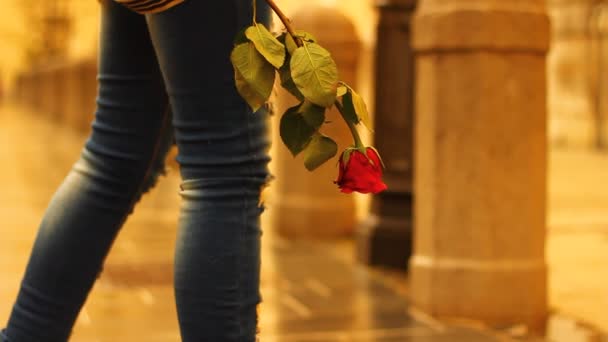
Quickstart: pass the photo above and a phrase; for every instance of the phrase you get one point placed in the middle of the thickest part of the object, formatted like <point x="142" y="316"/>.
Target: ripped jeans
<point x="176" y="62"/>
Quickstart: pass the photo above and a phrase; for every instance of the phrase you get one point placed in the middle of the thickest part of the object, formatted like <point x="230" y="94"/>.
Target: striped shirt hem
<point x="149" y="6"/>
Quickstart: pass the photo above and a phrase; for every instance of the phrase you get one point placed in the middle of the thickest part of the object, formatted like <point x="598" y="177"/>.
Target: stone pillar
<point x="598" y="30"/>
<point x="572" y="74"/>
<point x="57" y="79"/>
<point x="72" y="100"/>
<point x="480" y="158"/>
<point x="308" y="204"/>
<point x="384" y="238"/>
<point x="35" y="90"/>
<point x="88" y="93"/>
<point x="47" y="93"/>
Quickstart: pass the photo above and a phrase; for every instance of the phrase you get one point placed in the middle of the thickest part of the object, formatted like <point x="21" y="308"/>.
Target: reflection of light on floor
<point x="427" y="319"/>
<point x="318" y="288"/>
<point x="84" y="317"/>
<point x="146" y="296"/>
<point x="561" y="329"/>
<point x="295" y="305"/>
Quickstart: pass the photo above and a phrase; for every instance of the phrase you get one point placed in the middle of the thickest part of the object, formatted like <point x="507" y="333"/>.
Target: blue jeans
<point x="150" y="66"/>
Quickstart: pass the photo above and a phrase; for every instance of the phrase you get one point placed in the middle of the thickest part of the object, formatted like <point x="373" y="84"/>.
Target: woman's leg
<point x="120" y="159"/>
<point x="223" y="156"/>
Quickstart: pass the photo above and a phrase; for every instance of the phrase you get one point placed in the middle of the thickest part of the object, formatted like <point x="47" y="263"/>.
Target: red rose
<point x="359" y="172"/>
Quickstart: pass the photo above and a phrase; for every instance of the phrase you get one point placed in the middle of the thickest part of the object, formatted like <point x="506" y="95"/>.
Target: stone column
<point x="308" y="204"/>
<point x="35" y="90"/>
<point x="384" y="238"/>
<point x="47" y="93"/>
<point x="601" y="67"/>
<point x="573" y="74"/>
<point x="72" y="101"/>
<point x="598" y="34"/>
<point x="88" y="93"/>
<point x="480" y="158"/>
<point x="57" y="79"/>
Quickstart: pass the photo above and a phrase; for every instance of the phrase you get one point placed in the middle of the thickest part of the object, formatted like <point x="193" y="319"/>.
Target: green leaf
<point x="355" y="110"/>
<point x="342" y="89"/>
<point x="306" y="36"/>
<point x="313" y="114"/>
<point x="360" y="108"/>
<point x="267" y="44"/>
<point x="251" y="96"/>
<point x="290" y="43"/>
<point x="287" y="41"/>
<point x="295" y="130"/>
<point x="254" y="69"/>
<point x="287" y="81"/>
<point x="350" y="113"/>
<point x="345" y="157"/>
<point x="320" y="149"/>
<point x="315" y="74"/>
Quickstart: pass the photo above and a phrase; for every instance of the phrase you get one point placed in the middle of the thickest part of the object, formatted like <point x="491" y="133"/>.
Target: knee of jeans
<point x="224" y="175"/>
<point x="122" y="174"/>
<point x="157" y="166"/>
<point x="227" y="189"/>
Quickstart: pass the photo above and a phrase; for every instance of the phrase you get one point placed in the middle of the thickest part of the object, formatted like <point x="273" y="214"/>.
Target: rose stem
<point x="286" y="22"/>
<point x="351" y="126"/>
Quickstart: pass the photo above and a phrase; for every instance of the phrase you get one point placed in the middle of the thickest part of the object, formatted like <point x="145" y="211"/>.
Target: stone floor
<point x="577" y="244"/>
<point x="311" y="291"/>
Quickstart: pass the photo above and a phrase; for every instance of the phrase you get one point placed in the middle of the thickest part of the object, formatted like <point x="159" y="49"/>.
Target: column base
<point x="499" y="293"/>
<point x="385" y="242"/>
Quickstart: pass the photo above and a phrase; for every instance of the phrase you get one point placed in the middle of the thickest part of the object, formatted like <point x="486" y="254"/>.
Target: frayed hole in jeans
<point x="257" y="323"/>
<point x="3" y="337"/>
<point x="264" y="191"/>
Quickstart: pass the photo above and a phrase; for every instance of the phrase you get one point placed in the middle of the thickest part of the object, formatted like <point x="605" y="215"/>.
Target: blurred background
<point x="491" y="116"/>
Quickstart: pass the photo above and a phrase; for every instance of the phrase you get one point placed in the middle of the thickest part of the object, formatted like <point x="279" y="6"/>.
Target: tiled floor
<point x="310" y="291"/>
